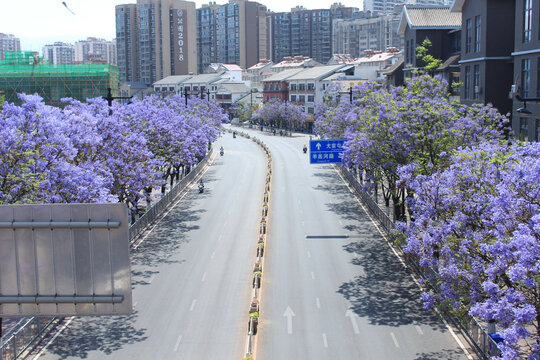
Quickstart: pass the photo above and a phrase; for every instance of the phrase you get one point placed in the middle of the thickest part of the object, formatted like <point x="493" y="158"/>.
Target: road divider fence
<point x="254" y="307"/>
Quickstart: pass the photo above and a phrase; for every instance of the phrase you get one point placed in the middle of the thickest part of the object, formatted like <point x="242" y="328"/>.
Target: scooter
<point x="305" y="149"/>
<point x="234" y="135"/>
<point x="201" y="188"/>
<point x="221" y="151"/>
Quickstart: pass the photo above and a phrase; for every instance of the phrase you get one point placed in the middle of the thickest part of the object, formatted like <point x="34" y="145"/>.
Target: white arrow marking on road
<point x="177" y="343"/>
<point x="318" y="146"/>
<point x="289" y="314"/>
<point x="352" y="315"/>
<point x="394" y="338"/>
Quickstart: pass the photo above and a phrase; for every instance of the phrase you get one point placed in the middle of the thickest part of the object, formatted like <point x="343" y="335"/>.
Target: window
<point x="293" y="98"/>
<point x="477" y="33"/>
<point x="301" y="98"/>
<point x="537" y="129"/>
<point x="301" y="87"/>
<point x="523" y="129"/>
<point x="311" y="86"/>
<point x="293" y="87"/>
<point x="525" y="77"/>
<point x="527" y="15"/>
<point x="538" y="77"/>
<point x="476" y="82"/>
<point x="467" y="83"/>
<point x="311" y="98"/>
<point x="468" y="36"/>
<point x="310" y="110"/>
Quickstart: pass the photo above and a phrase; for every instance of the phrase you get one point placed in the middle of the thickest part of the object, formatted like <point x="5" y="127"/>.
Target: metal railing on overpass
<point x="29" y="330"/>
<point x="470" y="327"/>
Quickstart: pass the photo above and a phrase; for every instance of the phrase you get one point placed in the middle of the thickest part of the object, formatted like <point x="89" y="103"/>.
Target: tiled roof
<point x="433" y="17"/>
<point x="316" y="72"/>
<point x="204" y="78"/>
<point x="452" y="60"/>
<point x="261" y="65"/>
<point x="232" y="67"/>
<point x="392" y="69"/>
<point x="426" y="17"/>
<point x="382" y="56"/>
<point x="173" y="80"/>
<point x="283" y="75"/>
<point x="235" y="88"/>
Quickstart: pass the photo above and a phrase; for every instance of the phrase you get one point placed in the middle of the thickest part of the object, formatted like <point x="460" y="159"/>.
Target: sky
<point x="41" y="22"/>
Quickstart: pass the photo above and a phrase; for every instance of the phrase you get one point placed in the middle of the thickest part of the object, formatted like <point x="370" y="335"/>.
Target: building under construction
<point x="24" y="72"/>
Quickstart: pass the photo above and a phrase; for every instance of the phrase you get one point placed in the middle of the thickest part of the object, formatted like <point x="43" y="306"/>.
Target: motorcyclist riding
<point x="201" y="186"/>
<point x="221" y="151"/>
<point x="304" y="148"/>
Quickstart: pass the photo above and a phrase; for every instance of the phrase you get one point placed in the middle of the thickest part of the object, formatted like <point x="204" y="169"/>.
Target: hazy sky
<point x="40" y="22"/>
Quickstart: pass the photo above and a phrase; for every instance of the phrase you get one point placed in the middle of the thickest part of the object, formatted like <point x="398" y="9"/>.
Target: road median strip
<point x="254" y="307"/>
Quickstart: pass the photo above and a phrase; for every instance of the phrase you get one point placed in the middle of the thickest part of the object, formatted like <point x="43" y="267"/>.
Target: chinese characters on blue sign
<point x="325" y="151"/>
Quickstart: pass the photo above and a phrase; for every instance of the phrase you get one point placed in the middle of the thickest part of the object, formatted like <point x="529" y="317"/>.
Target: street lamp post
<point x="110" y="99"/>
<point x="186" y="94"/>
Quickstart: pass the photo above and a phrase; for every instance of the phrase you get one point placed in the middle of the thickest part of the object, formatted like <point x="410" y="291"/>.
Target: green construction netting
<point x="23" y="72"/>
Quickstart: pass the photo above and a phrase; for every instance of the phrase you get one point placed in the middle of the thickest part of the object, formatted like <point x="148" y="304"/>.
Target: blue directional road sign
<point x="325" y="151"/>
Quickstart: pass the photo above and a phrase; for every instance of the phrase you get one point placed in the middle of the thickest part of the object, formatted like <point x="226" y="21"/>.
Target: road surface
<point x="191" y="276"/>
<point x="332" y="287"/>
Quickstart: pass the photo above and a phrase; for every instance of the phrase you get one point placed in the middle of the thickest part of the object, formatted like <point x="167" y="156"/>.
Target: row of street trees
<point x="84" y="153"/>
<point x="281" y="114"/>
<point x="473" y="197"/>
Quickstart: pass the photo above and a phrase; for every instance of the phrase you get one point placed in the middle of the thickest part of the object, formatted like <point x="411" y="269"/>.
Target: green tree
<point x="422" y="53"/>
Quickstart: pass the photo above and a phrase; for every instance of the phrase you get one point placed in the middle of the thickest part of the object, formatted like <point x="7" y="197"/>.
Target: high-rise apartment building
<point x="127" y="36"/>
<point x="354" y="36"/>
<point x="234" y="33"/>
<point x="385" y="6"/>
<point x="163" y="37"/>
<point x="95" y="50"/>
<point x="8" y="42"/>
<point x="303" y="32"/>
<point x="59" y="53"/>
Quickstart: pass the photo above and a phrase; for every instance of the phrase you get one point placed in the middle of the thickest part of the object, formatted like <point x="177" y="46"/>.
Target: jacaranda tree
<point x="84" y="153"/>
<point x="477" y="222"/>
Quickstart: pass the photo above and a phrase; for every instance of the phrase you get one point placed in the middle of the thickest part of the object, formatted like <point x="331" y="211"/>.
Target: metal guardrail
<point x="475" y="333"/>
<point x="21" y="335"/>
<point x="17" y="340"/>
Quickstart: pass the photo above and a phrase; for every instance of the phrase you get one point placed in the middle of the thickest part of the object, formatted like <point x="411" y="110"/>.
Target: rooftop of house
<point x="260" y="65"/>
<point x="341" y="59"/>
<point x="284" y="75"/>
<point x="226" y="67"/>
<point x="316" y="72"/>
<point x="233" y="88"/>
<point x="376" y="56"/>
<point x="173" y="80"/>
<point x="294" y="61"/>
<point x="428" y="17"/>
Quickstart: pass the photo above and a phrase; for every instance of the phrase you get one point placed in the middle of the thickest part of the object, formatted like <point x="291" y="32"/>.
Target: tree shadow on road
<point x="384" y="293"/>
<point x="98" y="333"/>
<point x="442" y="354"/>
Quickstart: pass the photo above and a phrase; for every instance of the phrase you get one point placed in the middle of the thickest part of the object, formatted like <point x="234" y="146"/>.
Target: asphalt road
<point x="332" y="287"/>
<point x="191" y="276"/>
